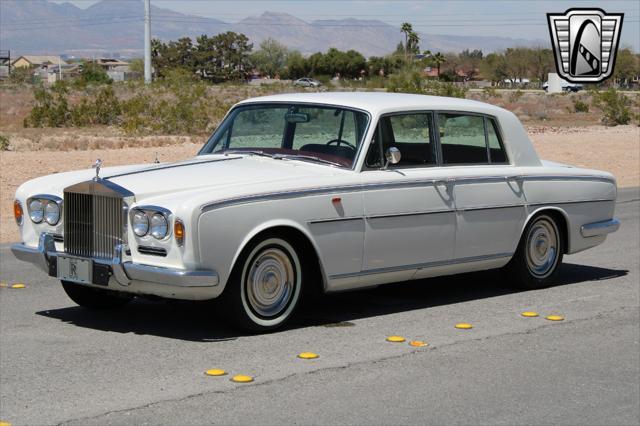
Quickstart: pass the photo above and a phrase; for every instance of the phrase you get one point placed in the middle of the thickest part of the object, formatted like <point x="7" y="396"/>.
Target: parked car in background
<point x="316" y="192"/>
<point x="307" y="82"/>
<point x="566" y="86"/>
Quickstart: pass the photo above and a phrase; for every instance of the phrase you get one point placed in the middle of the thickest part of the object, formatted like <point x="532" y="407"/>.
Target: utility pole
<point x="147" y="41"/>
<point x="59" y="67"/>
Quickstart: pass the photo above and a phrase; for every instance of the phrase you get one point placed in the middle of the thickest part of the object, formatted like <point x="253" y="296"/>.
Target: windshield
<point x="327" y="135"/>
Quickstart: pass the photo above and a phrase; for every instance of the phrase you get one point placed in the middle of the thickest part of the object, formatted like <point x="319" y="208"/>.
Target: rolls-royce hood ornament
<point x="97" y="166"/>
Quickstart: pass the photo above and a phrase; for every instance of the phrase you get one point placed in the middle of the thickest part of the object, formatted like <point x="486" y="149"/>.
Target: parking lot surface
<point x="145" y="363"/>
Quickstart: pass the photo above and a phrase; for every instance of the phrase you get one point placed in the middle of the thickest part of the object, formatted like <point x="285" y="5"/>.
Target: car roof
<point x="381" y="102"/>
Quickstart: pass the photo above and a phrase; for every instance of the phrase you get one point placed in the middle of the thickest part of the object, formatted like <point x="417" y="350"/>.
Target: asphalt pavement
<point x="145" y="363"/>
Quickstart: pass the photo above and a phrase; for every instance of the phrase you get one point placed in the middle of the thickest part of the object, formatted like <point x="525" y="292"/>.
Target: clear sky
<point x="511" y="18"/>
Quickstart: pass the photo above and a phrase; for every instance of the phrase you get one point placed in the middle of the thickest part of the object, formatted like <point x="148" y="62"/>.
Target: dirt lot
<point x="615" y="149"/>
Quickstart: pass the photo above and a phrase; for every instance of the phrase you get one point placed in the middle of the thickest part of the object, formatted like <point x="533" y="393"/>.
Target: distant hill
<point x="39" y="26"/>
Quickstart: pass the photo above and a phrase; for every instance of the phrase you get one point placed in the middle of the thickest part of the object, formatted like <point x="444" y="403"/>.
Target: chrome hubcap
<point x="270" y="282"/>
<point x="542" y="248"/>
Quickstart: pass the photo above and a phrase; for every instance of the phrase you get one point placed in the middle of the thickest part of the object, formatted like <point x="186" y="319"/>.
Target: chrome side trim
<point x="422" y="265"/>
<point x="386" y="185"/>
<point x="336" y="219"/>
<point x="421" y="213"/>
<point x="598" y="200"/>
<point x="506" y="206"/>
<point x="597" y="229"/>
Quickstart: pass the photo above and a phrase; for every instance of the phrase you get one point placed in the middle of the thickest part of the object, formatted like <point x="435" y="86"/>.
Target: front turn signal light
<point x="18" y="213"/>
<point x="178" y="232"/>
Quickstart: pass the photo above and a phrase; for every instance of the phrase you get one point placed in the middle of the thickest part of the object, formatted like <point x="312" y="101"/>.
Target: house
<point x="37" y="61"/>
<point x="109" y="64"/>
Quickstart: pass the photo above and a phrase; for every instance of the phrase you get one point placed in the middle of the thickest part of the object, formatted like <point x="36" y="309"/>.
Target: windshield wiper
<point x="306" y="158"/>
<point x="249" y="152"/>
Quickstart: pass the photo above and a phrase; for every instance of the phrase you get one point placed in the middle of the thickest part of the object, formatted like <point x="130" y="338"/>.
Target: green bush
<point x="580" y="106"/>
<point x="51" y="107"/>
<point x="93" y="73"/>
<point x="412" y="82"/>
<point x="615" y="107"/>
<point x="515" y="96"/>
<point x="4" y="143"/>
<point x="21" y="75"/>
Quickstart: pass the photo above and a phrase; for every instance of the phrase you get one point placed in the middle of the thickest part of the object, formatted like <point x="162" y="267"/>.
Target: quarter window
<point x="496" y="149"/>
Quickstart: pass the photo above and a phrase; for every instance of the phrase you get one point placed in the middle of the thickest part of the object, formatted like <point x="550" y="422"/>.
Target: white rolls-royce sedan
<point x="325" y="191"/>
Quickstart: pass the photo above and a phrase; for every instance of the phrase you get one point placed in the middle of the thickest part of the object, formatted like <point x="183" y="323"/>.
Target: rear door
<point x="488" y="192"/>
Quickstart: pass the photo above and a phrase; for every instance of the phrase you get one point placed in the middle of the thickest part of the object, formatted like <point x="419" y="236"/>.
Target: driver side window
<point x="411" y="133"/>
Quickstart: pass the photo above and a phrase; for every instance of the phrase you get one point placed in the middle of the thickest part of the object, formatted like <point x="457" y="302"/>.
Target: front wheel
<point x="93" y="298"/>
<point x="539" y="254"/>
<point x="265" y="285"/>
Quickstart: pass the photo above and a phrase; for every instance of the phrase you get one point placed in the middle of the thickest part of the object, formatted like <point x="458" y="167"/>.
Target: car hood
<point x="214" y="172"/>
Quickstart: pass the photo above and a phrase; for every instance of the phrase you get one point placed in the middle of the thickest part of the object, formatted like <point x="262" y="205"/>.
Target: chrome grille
<point x="93" y="224"/>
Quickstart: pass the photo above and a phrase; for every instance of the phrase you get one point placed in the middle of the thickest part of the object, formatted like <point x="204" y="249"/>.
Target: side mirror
<point x="393" y="156"/>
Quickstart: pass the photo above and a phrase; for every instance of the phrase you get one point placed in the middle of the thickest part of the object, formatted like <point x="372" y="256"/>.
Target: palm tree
<point x="438" y="59"/>
<point x="407" y="29"/>
<point x="414" y="39"/>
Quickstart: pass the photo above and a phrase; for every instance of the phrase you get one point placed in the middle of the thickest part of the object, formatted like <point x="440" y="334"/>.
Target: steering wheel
<point x="339" y="142"/>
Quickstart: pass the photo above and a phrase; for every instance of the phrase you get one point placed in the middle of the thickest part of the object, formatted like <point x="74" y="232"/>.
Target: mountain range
<point x="110" y="26"/>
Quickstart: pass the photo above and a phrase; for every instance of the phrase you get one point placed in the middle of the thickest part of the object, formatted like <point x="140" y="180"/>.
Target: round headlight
<point x="36" y="211"/>
<point x="52" y="213"/>
<point x="159" y="226"/>
<point x="140" y="223"/>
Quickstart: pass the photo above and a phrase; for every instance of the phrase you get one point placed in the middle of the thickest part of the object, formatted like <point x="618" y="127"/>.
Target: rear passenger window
<point x="462" y="138"/>
<point x="496" y="149"/>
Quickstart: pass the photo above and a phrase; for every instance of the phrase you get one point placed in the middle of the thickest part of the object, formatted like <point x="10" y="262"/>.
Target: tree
<point x="407" y="29"/>
<point x="493" y="67"/>
<point x="627" y="66"/>
<point x="438" y="59"/>
<point x="470" y="62"/>
<point x="297" y="65"/>
<point x="413" y="43"/>
<point x="272" y="57"/>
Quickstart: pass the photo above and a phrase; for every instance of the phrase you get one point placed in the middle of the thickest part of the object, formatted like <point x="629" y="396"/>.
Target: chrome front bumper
<point x="597" y="229"/>
<point x="45" y="256"/>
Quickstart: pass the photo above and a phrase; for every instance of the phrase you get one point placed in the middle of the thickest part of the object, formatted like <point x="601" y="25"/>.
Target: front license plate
<point x="74" y="269"/>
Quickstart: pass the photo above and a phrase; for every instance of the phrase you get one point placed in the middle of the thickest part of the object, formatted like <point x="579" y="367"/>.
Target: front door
<point x="409" y="216"/>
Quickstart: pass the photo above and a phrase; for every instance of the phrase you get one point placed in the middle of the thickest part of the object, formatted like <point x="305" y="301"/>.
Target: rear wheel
<point x="93" y="298"/>
<point x="265" y="286"/>
<point x="535" y="264"/>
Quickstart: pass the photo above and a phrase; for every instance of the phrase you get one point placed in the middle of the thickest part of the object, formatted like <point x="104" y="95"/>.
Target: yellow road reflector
<point x="5" y="424"/>
<point x="396" y="339"/>
<point x="241" y="378"/>
<point x="555" y="318"/>
<point x="308" y="355"/>
<point x="464" y="326"/>
<point x="418" y="343"/>
<point x="529" y="314"/>
<point x="215" y="372"/>
<point x="18" y="285"/>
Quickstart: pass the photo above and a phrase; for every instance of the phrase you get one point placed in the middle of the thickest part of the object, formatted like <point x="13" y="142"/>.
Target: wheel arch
<point x="294" y="231"/>
<point x="562" y="220"/>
